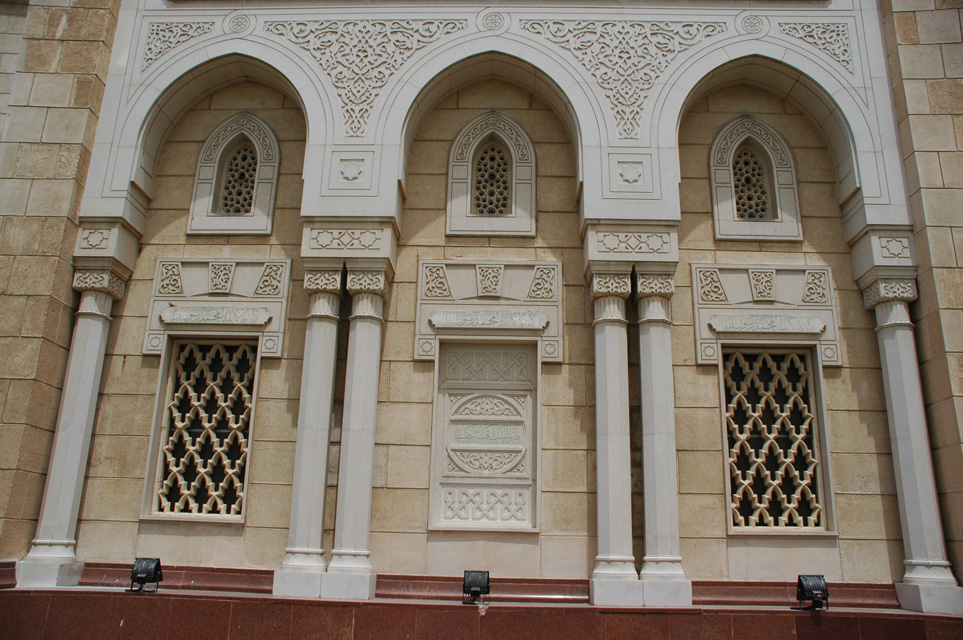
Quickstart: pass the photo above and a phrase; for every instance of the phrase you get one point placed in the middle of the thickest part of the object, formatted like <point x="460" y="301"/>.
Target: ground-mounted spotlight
<point x="146" y="573"/>
<point x="476" y="585"/>
<point x="812" y="589"/>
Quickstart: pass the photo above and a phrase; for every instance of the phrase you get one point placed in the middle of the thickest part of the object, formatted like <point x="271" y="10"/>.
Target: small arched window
<point x="491" y="179"/>
<point x="236" y="178"/>
<point x="754" y="192"/>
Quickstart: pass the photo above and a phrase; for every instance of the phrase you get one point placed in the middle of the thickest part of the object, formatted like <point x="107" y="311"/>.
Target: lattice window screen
<point x="237" y="183"/>
<point x="751" y="183"/>
<point x="772" y="440"/>
<point x="205" y="450"/>
<point x="493" y="181"/>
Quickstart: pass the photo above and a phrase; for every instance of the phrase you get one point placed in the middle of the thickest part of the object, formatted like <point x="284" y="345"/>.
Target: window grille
<point x="771" y="432"/>
<point x="237" y="184"/>
<point x="751" y="183"/>
<point x="208" y="419"/>
<point x="492" y="181"/>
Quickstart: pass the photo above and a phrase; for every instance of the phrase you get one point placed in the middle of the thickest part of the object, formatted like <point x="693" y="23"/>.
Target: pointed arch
<point x="512" y="201"/>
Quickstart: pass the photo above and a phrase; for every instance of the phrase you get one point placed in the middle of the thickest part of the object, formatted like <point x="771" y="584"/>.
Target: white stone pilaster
<point x="663" y="579"/>
<point x="350" y="574"/>
<point x="52" y="560"/>
<point x="304" y="564"/>
<point x="928" y="582"/>
<point x="614" y="580"/>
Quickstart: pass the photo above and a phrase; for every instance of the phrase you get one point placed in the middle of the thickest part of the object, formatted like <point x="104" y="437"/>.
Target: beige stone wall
<point x="925" y="48"/>
<point x="110" y="529"/>
<point x="400" y="542"/>
<point x="868" y="548"/>
<point x="54" y="99"/>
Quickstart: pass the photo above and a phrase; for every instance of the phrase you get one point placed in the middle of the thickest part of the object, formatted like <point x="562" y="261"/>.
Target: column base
<point x="302" y="584"/>
<point x="45" y="574"/>
<point x="930" y="598"/>
<point x="348" y="586"/>
<point x="615" y="593"/>
<point x="666" y="593"/>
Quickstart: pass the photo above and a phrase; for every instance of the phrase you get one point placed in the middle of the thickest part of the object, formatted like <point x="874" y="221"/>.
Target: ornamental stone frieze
<point x="340" y="240"/>
<point x="229" y="298"/>
<point x="631" y="243"/>
<point x="765" y="305"/>
<point x="463" y="299"/>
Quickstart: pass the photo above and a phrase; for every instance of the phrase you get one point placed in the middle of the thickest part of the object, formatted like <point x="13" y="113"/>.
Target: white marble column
<point x="52" y="560"/>
<point x="663" y="580"/>
<point x="303" y="566"/>
<point x="350" y="575"/>
<point x="614" y="580"/>
<point x="928" y="582"/>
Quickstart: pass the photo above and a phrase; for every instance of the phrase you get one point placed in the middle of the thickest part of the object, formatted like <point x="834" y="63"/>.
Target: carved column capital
<point x="604" y="285"/>
<point x="103" y="280"/>
<point x="654" y="284"/>
<point x="888" y="290"/>
<point x="323" y="281"/>
<point x="368" y="281"/>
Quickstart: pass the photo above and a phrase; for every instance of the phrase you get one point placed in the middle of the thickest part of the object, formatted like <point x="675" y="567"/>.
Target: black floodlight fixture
<point x="476" y="585"/>
<point x="812" y="589"/>
<point x="145" y="572"/>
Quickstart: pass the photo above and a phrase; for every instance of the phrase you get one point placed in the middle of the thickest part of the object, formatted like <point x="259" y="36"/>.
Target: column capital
<point x="604" y="285"/>
<point x="103" y="280"/>
<point x="889" y="290"/>
<point x="661" y="285"/>
<point x="374" y="281"/>
<point x="323" y="281"/>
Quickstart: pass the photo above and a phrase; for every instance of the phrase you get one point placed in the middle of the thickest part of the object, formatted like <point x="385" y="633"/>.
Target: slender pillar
<point x="52" y="559"/>
<point x="928" y="582"/>
<point x="663" y="580"/>
<point x="350" y="575"/>
<point x="614" y="580"/>
<point x="303" y="565"/>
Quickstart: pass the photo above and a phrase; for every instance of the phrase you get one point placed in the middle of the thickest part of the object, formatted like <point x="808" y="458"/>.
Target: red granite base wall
<point x="109" y="615"/>
<point x="8" y="575"/>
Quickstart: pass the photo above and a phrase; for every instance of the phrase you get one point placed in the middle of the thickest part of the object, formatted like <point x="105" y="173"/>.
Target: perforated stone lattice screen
<point x="771" y="433"/>
<point x="237" y="183"/>
<point x="751" y="184"/>
<point x="492" y="188"/>
<point x="205" y="452"/>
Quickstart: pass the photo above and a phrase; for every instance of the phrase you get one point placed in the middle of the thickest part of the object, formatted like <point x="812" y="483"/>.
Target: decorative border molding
<point x="765" y="305"/>
<point x="626" y="59"/>
<point x="361" y="56"/>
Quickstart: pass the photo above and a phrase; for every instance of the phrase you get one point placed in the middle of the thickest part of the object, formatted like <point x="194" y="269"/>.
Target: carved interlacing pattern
<point x="489" y="279"/>
<point x="771" y="435"/>
<point x="324" y="281"/>
<point x="222" y="273"/>
<point x="710" y="286"/>
<point x="816" y="289"/>
<point x="164" y="36"/>
<point x="237" y="185"/>
<point x="498" y="123"/>
<point x="488" y="364"/>
<point x="762" y="282"/>
<point x="250" y="128"/>
<point x="204" y="457"/>
<point x="487" y="406"/>
<point x="492" y="189"/>
<point x="886" y="291"/>
<point x="346" y="238"/>
<point x="436" y="282"/>
<point x="749" y="180"/>
<point x="625" y="58"/>
<point x="611" y="284"/>
<point x="654" y="284"/>
<point x="543" y="284"/>
<point x="760" y="134"/>
<point x="832" y="38"/>
<point x="360" y="56"/>
<point x="102" y="280"/>
<point x="368" y="282"/>
<point x="170" y="279"/>
<point x="271" y="281"/>
<point x="612" y="242"/>
<point x="472" y="504"/>
<point x="487" y="462"/>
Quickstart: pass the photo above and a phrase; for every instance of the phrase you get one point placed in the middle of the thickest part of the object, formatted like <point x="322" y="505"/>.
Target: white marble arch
<point x="504" y="56"/>
<point x="856" y="121"/>
<point x="120" y="182"/>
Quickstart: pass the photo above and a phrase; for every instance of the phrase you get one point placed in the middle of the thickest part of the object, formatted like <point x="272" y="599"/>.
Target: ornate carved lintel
<point x="103" y="280"/>
<point x="886" y="290"/>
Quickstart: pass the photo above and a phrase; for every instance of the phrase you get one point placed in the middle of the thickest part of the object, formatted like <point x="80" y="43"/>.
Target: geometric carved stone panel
<point x="228" y="298"/>
<point x="476" y="300"/>
<point x="764" y="305"/>
<point x="484" y="442"/>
